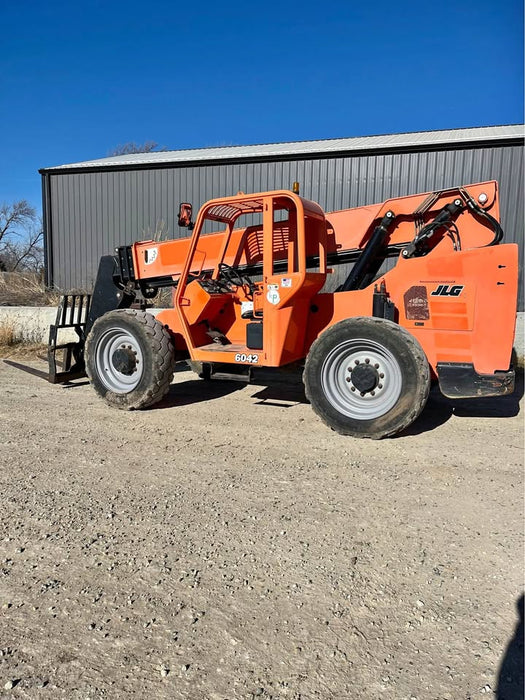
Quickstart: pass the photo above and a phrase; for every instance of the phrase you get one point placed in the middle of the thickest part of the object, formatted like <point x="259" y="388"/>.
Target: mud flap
<point x="461" y="381"/>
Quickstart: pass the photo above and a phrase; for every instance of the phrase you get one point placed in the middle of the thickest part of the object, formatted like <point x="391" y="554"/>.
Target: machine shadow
<point x="286" y="386"/>
<point x="275" y="394"/>
<point x="511" y="672"/>
<point x="285" y="389"/>
<point x="271" y="388"/>
<point x="439" y="408"/>
<point x="274" y="387"/>
<point x="75" y="384"/>
<point x="195" y="391"/>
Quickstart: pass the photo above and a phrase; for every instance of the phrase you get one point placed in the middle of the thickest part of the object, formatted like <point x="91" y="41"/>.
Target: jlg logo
<point x="447" y="290"/>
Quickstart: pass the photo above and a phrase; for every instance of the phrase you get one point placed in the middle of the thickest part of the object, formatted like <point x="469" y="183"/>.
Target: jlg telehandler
<point x="250" y="289"/>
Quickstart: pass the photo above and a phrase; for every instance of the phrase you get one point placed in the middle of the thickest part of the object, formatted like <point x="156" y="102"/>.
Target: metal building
<point x="94" y="206"/>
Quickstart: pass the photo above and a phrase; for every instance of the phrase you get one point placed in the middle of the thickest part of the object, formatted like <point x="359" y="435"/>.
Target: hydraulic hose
<point x="494" y="223"/>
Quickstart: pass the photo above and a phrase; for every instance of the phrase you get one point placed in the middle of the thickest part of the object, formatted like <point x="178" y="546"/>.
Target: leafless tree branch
<point x="20" y="237"/>
<point x="132" y="147"/>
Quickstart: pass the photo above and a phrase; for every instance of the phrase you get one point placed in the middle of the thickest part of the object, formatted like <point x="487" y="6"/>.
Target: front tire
<point x="130" y="359"/>
<point x="367" y="377"/>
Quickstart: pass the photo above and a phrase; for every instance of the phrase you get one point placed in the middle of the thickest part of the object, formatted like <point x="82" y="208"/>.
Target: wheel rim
<point x="122" y="376"/>
<point x="369" y="392"/>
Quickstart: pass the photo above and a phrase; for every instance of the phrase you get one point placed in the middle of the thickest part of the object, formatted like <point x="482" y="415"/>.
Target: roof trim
<point x="420" y="140"/>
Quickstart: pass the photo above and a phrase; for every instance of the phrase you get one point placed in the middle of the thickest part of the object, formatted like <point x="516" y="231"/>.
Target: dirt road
<point x="228" y="545"/>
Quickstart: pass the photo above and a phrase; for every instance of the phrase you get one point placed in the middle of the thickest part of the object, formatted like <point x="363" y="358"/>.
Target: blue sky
<point x="79" y="78"/>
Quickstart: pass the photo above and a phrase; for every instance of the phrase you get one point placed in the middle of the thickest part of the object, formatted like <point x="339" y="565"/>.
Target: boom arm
<point x="419" y="222"/>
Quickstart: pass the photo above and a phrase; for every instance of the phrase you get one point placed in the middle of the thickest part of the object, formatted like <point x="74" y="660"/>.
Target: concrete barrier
<point x="31" y="324"/>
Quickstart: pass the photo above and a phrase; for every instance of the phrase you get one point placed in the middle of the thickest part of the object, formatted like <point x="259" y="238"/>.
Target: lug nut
<point x="379" y="386"/>
<point x="348" y="379"/>
<point x="376" y="366"/>
<point x="367" y="361"/>
<point x="381" y="376"/>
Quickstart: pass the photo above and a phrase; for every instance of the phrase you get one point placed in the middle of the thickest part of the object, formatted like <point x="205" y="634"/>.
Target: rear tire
<point x="367" y="377"/>
<point x="130" y="359"/>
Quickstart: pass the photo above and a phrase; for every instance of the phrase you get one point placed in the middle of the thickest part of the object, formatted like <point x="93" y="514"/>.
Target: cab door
<point x="287" y="288"/>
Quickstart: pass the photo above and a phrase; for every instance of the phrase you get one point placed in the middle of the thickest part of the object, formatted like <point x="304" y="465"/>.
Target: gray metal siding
<point x="93" y="212"/>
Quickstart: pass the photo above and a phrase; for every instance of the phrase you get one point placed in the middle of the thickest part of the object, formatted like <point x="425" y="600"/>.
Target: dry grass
<point x="25" y="289"/>
<point x="23" y="351"/>
<point x="13" y="346"/>
<point x="7" y="335"/>
<point x="164" y="299"/>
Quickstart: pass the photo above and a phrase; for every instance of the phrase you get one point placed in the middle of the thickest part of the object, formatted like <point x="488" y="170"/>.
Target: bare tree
<point x="21" y="237"/>
<point x="132" y="147"/>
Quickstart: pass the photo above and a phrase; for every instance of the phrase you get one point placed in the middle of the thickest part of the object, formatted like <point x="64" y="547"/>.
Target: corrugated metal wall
<point x="92" y="212"/>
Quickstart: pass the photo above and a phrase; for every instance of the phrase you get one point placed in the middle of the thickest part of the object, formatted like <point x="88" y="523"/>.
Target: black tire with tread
<point x="158" y="352"/>
<point x="412" y="363"/>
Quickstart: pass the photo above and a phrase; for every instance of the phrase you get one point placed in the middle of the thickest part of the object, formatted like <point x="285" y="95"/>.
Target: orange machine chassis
<point x="427" y="291"/>
<point x="457" y="296"/>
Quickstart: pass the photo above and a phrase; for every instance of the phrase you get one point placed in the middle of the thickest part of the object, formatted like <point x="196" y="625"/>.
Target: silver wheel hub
<point x="361" y="379"/>
<point x="119" y="361"/>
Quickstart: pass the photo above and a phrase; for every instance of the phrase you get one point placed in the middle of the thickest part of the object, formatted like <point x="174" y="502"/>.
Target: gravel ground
<point x="228" y="545"/>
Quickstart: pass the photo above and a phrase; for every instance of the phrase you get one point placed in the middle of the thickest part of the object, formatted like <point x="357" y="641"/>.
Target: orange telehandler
<point x="251" y="288"/>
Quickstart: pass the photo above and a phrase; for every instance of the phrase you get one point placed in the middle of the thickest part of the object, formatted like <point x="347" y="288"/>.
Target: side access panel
<point x="461" y="306"/>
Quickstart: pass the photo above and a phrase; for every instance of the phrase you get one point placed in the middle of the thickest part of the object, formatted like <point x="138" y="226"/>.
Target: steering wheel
<point x="233" y="276"/>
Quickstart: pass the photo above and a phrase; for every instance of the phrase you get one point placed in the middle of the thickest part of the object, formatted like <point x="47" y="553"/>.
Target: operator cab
<point x="247" y="296"/>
